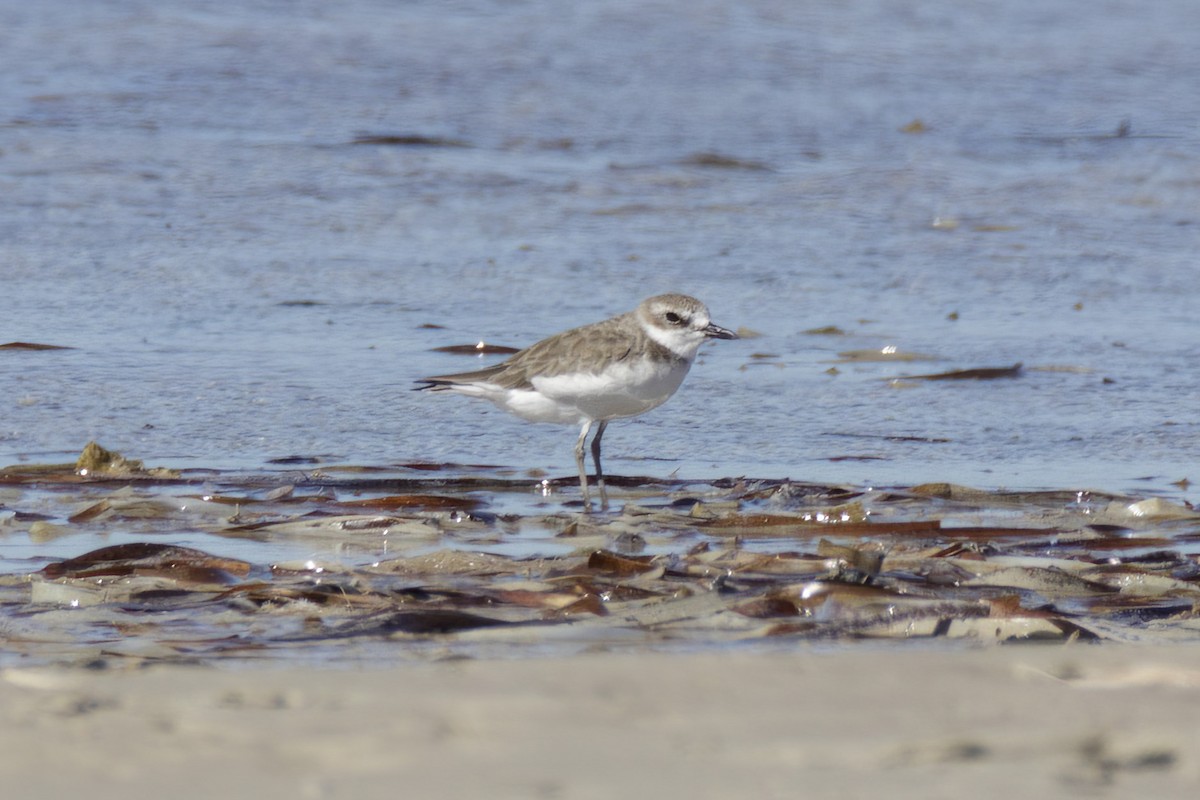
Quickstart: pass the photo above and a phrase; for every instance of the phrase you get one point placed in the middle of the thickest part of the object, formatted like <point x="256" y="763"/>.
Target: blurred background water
<point x="191" y="198"/>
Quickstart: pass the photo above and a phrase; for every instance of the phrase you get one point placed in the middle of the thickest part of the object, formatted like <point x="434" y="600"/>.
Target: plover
<point x="621" y="367"/>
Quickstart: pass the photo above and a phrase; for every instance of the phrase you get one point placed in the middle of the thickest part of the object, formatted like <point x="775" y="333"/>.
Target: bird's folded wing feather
<point x="592" y="346"/>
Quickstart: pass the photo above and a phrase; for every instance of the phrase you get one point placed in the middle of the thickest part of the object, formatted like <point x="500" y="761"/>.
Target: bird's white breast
<point x="621" y="390"/>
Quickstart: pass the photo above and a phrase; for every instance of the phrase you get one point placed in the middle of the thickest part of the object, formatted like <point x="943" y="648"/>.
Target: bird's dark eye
<point x="674" y="318"/>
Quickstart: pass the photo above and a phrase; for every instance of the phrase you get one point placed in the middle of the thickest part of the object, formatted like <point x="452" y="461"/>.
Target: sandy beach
<point x="1040" y="720"/>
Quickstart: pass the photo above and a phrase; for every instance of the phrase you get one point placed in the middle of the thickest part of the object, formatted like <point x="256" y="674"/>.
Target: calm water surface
<point x="182" y="202"/>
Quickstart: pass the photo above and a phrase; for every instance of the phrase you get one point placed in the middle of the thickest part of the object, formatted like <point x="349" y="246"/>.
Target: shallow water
<point x="183" y="202"/>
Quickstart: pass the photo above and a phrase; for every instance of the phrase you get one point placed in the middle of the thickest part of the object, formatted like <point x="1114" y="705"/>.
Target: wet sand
<point x="760" y="639"/>
<point x="434" y="651"/>
<point x="1049" y="720"/>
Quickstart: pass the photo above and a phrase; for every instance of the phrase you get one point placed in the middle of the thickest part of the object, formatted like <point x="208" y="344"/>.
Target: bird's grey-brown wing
<point x="589" y="348"/>
<point x="485" y="375"/>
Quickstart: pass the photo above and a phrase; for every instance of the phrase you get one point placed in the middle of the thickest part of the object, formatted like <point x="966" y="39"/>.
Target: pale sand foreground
<point x="864" y="721"/>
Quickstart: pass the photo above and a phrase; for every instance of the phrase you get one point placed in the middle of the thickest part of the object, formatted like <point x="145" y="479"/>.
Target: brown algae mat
<point x="108" y="559"/>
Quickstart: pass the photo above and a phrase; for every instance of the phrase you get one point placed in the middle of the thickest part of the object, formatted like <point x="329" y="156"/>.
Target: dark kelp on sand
<point x="419" y="559"/>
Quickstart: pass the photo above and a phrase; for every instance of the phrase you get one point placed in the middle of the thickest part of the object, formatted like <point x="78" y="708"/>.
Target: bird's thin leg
<point x="587" y="500"/>
<point x="596" y="459"/>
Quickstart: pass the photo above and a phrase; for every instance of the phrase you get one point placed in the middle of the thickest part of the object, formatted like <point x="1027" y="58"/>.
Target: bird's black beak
<point x="717" y="332"/>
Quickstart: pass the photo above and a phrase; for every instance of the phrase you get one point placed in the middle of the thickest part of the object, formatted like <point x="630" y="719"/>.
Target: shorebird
<point x="621" y="367"/>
